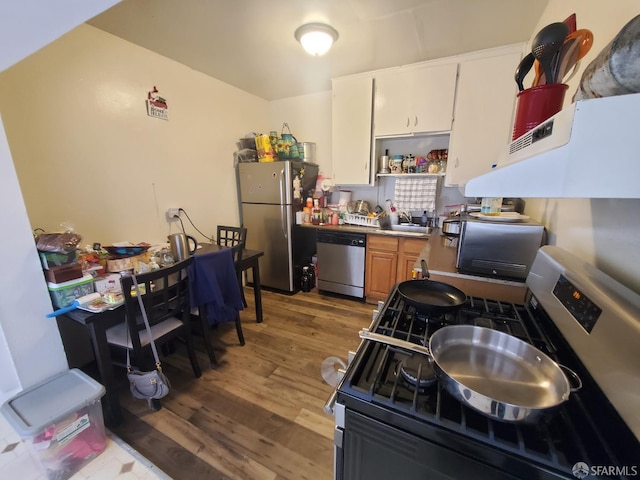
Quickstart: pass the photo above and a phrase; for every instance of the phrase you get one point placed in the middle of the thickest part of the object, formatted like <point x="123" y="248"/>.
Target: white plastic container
<point x="60" y="421"/>
<point x="63" y="294"/>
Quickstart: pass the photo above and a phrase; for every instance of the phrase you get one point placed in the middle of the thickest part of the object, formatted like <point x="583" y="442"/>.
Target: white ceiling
<point x="250" y="43"/>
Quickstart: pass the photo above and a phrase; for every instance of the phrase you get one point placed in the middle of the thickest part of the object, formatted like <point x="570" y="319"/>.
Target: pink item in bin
<point x="60" y="421"/>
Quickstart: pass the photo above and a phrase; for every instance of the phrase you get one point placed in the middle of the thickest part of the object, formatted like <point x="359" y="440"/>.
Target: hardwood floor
<point x="259" y="413"/>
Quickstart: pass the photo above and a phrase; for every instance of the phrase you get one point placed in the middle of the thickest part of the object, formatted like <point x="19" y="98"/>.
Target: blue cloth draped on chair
<point x="214" y="284"/>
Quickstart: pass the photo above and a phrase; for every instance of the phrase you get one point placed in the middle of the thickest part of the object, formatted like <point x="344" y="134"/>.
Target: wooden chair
<point x="230" y="237"/>
<point x="166" y="301"/>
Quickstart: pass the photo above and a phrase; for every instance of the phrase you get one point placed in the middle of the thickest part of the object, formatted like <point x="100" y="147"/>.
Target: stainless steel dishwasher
<point x="341" y="259"/>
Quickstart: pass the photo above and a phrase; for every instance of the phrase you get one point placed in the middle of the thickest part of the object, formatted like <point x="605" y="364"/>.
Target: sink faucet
<point x="405" y="217"/>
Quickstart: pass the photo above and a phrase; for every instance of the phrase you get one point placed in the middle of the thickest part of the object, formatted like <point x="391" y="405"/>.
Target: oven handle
<point x="395" y="342"/>
<point x="331" y="401"/>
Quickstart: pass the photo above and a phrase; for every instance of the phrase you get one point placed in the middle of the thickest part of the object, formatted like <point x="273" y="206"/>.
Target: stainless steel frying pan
<point x="492" y="372"/>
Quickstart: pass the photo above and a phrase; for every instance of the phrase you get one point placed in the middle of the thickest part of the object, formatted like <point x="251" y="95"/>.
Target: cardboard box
<point x="115" y="265"/>
<point x="63" y="294"/>
<point x="108" y="283"/>
<point x="60" y="420"/>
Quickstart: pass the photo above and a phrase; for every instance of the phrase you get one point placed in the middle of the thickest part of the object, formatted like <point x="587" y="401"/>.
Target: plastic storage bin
<point x="60" y="421"/>
<point x="63" y="294"/>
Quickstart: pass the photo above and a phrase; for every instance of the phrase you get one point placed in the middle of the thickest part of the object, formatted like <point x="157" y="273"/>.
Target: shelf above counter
<point x="410" y="174"/>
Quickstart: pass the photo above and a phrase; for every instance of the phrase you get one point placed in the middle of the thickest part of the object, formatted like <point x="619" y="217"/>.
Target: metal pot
<point x="451" y="226"/>
<point x="492" y="372"/>
<point x="308" y="151"/>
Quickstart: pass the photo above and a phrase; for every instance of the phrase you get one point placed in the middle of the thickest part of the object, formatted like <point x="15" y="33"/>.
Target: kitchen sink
<point x="410" y="227"/>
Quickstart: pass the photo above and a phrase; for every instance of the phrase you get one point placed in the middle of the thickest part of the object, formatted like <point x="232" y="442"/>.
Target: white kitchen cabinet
<point x="417" y="99"/>
<point x="352" y="108"/>
<point x="483" y="116"/>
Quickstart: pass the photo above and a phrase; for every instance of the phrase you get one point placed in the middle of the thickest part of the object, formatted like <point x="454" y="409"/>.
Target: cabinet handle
<point x="408" y="121"/>
<point x="415" y="124"/>
<point x="457" y="162"/>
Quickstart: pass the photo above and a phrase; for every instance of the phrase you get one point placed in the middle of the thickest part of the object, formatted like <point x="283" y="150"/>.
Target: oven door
<point x="371" y="450"/>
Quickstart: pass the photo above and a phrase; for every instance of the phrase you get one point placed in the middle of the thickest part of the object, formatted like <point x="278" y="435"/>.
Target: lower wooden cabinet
<point x="389" y="260"/>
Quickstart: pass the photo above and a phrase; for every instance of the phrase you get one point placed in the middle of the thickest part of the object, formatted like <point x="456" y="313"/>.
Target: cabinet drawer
<point x="379" y="242"/>
<point x="413" y="246"/>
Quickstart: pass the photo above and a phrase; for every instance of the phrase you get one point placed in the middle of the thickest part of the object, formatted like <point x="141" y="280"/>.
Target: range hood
<point x="590" y="149"/>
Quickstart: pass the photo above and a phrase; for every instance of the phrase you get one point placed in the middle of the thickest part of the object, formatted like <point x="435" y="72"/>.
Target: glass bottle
<point x="316" y="213"/>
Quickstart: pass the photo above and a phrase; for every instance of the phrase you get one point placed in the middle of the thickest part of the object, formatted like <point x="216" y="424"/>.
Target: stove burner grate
<point x="418" y="371"/>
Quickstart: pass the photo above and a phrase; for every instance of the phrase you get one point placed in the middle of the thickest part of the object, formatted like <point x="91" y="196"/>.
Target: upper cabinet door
<point x="434" y="91"/>
<point x="352" y="108"/>
<point x="392" y="105"/>
<point x="411" y="100"/>
<point x="483" y="114"/>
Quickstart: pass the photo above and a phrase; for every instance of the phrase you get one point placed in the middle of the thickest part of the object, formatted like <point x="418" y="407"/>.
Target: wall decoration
<point x="156" y="105"/>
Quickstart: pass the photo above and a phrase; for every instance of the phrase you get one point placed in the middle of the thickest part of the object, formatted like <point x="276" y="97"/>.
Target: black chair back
<point x="165" y="296"/>
<point x="230" y="236"/>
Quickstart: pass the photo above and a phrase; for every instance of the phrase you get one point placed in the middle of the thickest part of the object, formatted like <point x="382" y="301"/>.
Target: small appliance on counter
<point x="504" y="247"/>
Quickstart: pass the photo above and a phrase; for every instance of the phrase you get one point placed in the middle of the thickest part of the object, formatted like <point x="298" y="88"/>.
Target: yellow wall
<point x="86" y="152"/>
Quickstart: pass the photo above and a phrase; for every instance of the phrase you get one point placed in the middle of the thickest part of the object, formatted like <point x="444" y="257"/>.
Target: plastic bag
<point x="58" y="242"/>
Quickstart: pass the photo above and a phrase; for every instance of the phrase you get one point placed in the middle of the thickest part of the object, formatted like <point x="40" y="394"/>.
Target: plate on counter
<point x="503" y="217"/>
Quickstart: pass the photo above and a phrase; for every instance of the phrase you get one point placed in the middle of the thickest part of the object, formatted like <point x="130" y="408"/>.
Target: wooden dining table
<point x="97" y="324"/>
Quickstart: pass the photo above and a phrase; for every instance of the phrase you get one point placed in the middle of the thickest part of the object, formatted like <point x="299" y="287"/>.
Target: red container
<point x="536" y="104"/>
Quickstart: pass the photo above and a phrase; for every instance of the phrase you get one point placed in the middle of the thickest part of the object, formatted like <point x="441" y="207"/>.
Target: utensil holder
<point x="537" y="104"/>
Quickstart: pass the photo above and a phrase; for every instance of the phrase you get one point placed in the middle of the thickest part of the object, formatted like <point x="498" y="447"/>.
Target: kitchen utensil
<point x="584" y="39"/>
<point x="307" y="151"/>
<point x="492" y="372"/>
<point x="431" y="296"/>
<point x="383" y="164"/>
<point x="180" y="246"/>
<point x="567" y="58"/>
<point x="571" y="22"/>
<point x="547" y="43"/>
<point x="522" y="69"/>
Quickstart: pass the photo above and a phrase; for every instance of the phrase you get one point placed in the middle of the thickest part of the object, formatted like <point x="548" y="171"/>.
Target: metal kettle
<point x="179" y="243"/>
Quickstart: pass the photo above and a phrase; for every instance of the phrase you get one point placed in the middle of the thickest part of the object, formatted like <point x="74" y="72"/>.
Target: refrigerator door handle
<point x="283" y="207"/>
<point x="281" y="184"/>
<point x="283" y="221"/>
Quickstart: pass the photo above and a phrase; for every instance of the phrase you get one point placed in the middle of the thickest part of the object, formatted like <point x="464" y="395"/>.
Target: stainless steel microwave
<point x="499" y="249"/>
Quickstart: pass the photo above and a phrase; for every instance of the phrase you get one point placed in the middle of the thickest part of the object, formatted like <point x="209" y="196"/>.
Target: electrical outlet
<point x="173" y="214"/>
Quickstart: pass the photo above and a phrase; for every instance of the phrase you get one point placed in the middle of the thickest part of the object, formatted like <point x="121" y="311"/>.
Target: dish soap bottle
<point x="424" y="219"/>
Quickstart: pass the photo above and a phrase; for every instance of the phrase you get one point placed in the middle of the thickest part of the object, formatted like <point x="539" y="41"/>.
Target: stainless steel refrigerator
<point x="270" y="193"/>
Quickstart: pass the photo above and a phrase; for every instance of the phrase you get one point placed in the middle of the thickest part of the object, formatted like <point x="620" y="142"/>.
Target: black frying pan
<point x="431" y="296"/>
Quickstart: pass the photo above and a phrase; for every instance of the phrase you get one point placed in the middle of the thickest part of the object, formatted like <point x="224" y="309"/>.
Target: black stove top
<point x="398" y="387"/>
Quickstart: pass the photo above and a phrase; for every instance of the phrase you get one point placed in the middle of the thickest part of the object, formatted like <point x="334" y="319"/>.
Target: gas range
<point x="395" y="420"/>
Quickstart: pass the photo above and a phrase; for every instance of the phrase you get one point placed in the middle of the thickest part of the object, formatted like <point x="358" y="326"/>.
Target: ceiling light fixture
<point x="316" y="38"/>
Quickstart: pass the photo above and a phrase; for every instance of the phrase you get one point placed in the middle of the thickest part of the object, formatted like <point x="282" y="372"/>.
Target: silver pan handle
<point x="394" y="342"/>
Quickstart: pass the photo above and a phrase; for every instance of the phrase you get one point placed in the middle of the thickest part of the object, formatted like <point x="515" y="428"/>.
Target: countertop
<point x="368" y="230"/>
<point x="440" y="252"/>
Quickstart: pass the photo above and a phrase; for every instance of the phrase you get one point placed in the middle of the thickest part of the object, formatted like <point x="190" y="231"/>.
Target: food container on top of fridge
<point x="63" y="294"/>
<point x="60" y="421"/>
